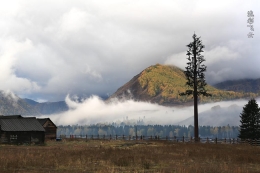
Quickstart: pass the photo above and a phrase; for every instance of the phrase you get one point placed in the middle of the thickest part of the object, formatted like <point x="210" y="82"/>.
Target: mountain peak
<point x="162" y="84"/>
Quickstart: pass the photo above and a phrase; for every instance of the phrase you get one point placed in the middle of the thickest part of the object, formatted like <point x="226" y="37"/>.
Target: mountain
<point x="162" y="84"/>
<point x="217" y="116"/>
<point x="243" y="85"/>
<point x="30" y="102"/>
<point x="10" y="104"/>
<point x="47" y="108"/>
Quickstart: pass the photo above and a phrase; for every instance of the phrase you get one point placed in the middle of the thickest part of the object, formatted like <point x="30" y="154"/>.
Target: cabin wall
<point x="50" y="130"/>
<point x="22" y="137"/>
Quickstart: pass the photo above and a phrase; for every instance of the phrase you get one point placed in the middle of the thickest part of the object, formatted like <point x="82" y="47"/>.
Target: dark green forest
<point x="149" y="130"/>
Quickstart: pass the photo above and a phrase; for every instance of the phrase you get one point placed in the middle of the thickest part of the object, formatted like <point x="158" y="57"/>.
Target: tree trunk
<point x="195" y="97"/>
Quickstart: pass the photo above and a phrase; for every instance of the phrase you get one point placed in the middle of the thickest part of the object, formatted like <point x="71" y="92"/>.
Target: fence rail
<point x="166" y="138"/>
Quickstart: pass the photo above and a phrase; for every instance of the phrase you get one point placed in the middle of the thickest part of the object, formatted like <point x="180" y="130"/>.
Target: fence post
<point x="104" y="136"/>
<point x="225" y="140"/>
<point x="91" y="136"/>
<point x="199" y="139"/>
<point x="129" y="137"/>
<point x="216" y="140"/>
<point x="207" y="140"/>
<point x="183" y="139"/>
<point x="116" y="137"/>
<point x="230" y="140"/>
<point x="86" y="137"/>
<point x="191" y="139"/>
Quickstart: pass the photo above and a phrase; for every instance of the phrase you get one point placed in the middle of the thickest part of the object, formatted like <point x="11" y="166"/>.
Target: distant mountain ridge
<point x="47" y="108"/>
<point x="162" y="84"/>
<point x="243" y="85"/>
<point x="11" y="104"/>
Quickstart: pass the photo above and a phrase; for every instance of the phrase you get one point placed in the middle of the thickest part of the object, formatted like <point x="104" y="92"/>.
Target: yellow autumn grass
<point x="129" y="156"/>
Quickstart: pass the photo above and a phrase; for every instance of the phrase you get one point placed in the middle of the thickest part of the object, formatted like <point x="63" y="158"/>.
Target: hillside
<point x="244" y="85"/>
<point x="10" y="104"/>
<point x="162" y="84"/>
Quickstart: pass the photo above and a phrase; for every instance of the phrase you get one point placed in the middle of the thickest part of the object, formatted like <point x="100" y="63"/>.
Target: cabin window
<point x="13" y="137"/>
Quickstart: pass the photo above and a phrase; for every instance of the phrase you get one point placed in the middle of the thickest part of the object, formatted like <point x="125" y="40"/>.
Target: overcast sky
<point x="49" y="49"/>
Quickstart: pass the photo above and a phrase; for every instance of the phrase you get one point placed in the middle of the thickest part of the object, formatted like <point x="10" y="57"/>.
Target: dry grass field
<point x="129" y="156"/>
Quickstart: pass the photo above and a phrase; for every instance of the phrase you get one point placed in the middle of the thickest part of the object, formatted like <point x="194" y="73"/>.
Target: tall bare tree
<point x="195" y="77"/>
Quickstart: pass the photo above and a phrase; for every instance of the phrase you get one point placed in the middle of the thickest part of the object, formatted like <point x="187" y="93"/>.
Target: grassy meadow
<point x="129" y="156"/>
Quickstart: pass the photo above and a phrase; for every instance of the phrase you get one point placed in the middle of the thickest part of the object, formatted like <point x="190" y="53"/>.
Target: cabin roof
<point x="20" y="124"/>
<point x="11" y="116"/>
<point x="42" y="121"/>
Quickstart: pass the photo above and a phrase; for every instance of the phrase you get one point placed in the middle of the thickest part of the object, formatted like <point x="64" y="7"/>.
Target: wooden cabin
<point x="49" y="126"/>
<point x="21" y="130"/>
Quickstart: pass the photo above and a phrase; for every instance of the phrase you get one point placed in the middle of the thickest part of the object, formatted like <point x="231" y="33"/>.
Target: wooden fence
<point x="166" y="138"/>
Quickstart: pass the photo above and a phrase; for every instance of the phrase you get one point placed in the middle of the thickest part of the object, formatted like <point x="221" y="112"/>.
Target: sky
<point x="49" y="49"/>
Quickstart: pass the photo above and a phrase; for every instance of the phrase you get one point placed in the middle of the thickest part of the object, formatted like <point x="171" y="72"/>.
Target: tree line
<point x="249" y="128"/>
<point x="149" y="130"/>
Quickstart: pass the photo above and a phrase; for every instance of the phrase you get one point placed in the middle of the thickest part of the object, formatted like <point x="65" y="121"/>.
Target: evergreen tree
<point x="195" y="77"/>
<point x="250" y="121"/>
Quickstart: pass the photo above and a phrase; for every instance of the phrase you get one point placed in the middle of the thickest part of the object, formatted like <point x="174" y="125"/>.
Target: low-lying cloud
<point x="94" y="110"/>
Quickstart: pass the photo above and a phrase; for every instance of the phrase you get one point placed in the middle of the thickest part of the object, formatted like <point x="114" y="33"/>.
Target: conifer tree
<point x="250" y="121"/>
<point x="195" y="76"/>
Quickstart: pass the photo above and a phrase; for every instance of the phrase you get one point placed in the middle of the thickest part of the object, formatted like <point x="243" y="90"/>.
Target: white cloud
<point x="94" y="110"/>
<point x="10" y="52"/>
<point x="92" y="73"/>
<point x="94" y="47"/>
<point x="179" y="59"/>
<point x="74" y="20"/>
<point x="221" y="54"/>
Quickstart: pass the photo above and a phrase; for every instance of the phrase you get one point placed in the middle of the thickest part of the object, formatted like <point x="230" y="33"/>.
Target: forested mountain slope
<point x="162" y="84"/>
